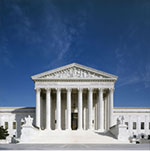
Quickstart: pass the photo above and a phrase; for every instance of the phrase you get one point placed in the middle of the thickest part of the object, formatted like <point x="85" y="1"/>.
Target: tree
<point x="3" y="133"/>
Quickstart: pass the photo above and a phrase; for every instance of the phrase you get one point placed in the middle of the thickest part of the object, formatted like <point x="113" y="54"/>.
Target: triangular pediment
<point x="74" y="71"/>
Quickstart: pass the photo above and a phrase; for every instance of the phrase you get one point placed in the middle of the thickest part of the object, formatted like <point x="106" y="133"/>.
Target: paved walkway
<point x="74" y="147"/>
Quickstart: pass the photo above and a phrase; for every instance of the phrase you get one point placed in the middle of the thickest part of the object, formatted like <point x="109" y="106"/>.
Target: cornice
<point x="129" y="111"/>
<point x="23" y="111"/>
<point x="16" y="107"/>
<point x="76" y="80"/>
<point x="131" y="107"/>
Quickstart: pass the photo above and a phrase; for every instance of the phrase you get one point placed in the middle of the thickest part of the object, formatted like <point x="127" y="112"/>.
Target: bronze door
<point x="74" y="121"/>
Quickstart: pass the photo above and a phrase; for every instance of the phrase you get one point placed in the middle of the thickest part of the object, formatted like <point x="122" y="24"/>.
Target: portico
<point x="74" y="97"/>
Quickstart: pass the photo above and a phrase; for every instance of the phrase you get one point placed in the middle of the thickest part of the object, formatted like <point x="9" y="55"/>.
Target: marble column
<point x="69" y="109"/>
<point x="58" y="106"/>
<point x="48" y="109"/>
<point x="80" y="102"/>
<point x="38" y="114"/>
<point x="90" y="106"/>
<point x="107" y="112"/>
<point x="111" y="92"/>
<point x="101" y="111"/>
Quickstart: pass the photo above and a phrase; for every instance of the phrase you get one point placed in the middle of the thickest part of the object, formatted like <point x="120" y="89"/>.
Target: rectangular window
<point x="134" y="125"/>
<point x="126" y="123"/>
<point x="14" y="125"/>
<point x="142" y="125"/>
<point x="6" y="125"/>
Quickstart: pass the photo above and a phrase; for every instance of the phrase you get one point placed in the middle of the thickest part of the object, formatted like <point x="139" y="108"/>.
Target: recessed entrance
<point x="74" y="121"/>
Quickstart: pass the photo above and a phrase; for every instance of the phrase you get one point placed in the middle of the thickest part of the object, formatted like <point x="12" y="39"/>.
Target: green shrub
<point x="3" y="133"/>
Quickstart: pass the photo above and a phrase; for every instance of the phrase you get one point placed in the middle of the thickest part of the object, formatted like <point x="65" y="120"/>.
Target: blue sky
<point x="109" y="35"/>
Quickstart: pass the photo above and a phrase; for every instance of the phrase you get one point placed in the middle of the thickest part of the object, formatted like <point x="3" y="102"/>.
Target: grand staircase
<point x="72" y="137"/>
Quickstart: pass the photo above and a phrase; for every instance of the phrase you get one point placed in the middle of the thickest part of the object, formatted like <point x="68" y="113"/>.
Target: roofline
<point x="34" y="77"/>
<point x="131" y="107"/>
<point x="114" y="107"/>
<point x="17" y="107"/>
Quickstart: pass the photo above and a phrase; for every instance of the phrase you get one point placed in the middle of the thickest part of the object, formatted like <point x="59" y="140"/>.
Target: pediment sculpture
<point x="73" y="73"/>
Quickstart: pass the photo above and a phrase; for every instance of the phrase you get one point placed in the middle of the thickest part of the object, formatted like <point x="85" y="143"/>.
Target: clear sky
<point x="109" y="35"/>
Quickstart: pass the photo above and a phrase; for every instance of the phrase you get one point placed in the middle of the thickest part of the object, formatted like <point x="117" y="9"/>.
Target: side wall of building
<point x="137" y="120"/>
<point x="13" y="118"/>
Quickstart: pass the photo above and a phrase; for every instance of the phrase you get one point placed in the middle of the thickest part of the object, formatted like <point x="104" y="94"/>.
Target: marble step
<point x="74" y="137"/>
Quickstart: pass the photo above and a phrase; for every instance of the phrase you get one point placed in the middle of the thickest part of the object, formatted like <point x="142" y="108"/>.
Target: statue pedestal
<point x="28" y="131"/>
<point x="120" y="130"/>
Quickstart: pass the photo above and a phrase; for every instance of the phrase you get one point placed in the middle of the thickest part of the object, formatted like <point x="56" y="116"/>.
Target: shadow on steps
<point x="106" y="134"/>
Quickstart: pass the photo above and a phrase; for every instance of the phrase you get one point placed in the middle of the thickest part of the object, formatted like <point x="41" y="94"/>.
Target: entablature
<point x="74" y="85"/>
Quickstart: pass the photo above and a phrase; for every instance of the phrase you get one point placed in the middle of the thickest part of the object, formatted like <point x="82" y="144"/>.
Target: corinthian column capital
<point x="80" y="89"/>
<point x="47" y="89"/>
<point x="90" y="89"/>
<point x="38" y="89"/>
<point x="101" y="89"/>
<point x="58" y="89"/>
<point x="111" y="89"/>
<point x="68" y="89"/>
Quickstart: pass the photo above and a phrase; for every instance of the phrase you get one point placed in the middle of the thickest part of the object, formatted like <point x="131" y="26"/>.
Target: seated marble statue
<point x="28" y="121"/>
<point x="120" y="120"/>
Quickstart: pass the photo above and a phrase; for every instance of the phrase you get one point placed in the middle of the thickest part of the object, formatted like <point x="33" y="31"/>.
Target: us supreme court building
<point x="76" y="98"/>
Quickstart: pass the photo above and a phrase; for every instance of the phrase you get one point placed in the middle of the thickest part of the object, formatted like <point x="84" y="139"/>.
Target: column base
<point x="39" y="128"/>
<point x="68" y="129"/>
<point x="101" y="130"/>
<point x="58" y="130"/>
<point x="90" y="130"/>
<point x="48" y="129"/>
<point x="58" y="127"/>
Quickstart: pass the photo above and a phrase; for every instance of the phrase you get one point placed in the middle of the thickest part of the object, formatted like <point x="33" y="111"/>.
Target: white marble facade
<point x="75" y="97"/>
